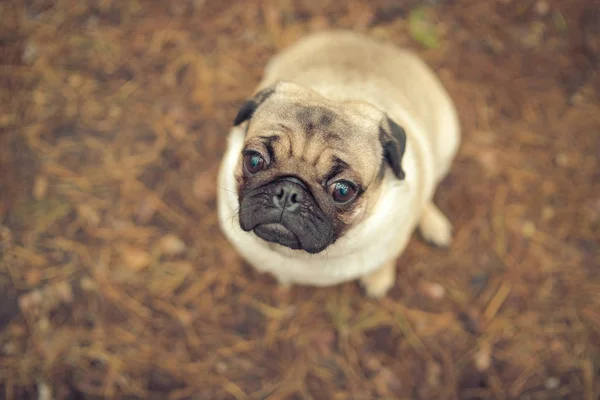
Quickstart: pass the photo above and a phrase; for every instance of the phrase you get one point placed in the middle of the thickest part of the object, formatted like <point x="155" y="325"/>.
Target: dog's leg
<point x="284" y="286"/>
<point x="379" y="282"/>
<point x="434" y="226"/>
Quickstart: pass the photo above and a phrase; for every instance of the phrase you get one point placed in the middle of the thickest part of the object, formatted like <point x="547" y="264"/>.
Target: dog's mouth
<point x="277" y="233"/>
<point x="284" y="212"/>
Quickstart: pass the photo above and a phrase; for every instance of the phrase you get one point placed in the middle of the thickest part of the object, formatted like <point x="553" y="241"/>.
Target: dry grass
<point x="113" y="118"/>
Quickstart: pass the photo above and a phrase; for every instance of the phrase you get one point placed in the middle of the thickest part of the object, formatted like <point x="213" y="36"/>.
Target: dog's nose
<point x="288" y="195"/>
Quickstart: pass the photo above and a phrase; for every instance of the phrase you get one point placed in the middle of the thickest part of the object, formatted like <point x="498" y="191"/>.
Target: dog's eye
<point x="342" y="191"/>
<point x="253" y="163"/>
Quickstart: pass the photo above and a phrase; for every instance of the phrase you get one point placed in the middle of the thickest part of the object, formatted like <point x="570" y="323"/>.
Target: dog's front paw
<point x="435" y="227"/>
<point x="377" y="289"/>
<point x="379" y="283"/>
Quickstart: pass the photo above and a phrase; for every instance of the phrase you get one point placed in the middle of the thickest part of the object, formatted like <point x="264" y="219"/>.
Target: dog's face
<point x="311" y="168"/>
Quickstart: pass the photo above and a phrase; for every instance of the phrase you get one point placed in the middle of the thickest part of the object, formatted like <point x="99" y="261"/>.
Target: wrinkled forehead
<point x="318" y="126"/>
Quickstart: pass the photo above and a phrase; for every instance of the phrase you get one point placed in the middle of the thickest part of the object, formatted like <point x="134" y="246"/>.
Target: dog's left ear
<point x="393" y="141"/>
<point x="250" y="106"/>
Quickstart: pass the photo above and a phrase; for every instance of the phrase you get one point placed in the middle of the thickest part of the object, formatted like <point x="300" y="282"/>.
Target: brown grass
<point x="114" y="116"/>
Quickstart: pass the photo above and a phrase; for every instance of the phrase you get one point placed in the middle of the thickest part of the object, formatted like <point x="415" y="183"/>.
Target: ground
<point x="116" y="281"/>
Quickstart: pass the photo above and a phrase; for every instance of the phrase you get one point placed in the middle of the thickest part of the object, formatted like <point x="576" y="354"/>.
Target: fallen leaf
<point x="483" y="358"/>
<point x="33" y="276"/>
<point x="422" y="29"/>
<point x="88" y="215"/>
<point x="433" y="290"/>
<point x="205" y="186"/>
<point x="147" y="209"/>
<point x="434" y="375"/>
<point x="40" y="187"/>
<point x="171" y="245"/>
<point x="387" y="382"/>
<point x="134" y="258"/>
<point x="541" y="8"/>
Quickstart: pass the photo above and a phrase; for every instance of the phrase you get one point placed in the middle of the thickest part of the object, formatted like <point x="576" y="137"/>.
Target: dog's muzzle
<point x="285" y="212"/>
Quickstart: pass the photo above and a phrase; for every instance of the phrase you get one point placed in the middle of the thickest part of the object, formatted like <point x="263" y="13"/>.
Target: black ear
<point x="393" y="140"/>
<point x="249" y="107"/>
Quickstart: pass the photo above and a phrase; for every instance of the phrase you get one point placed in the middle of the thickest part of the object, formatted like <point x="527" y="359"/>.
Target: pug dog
<point x="332" y="164"/>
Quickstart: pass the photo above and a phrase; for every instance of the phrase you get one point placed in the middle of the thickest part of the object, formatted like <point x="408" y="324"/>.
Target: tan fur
<point x="357" y="82"/>
<point x="350" y="135"/>
<point x="344" y="65"/>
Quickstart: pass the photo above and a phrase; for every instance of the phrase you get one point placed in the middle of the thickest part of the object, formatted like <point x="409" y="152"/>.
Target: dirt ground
<point x="116" y="282"/>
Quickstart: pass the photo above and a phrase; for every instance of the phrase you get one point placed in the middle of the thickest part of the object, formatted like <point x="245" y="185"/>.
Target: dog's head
<point x="311" y="168"/>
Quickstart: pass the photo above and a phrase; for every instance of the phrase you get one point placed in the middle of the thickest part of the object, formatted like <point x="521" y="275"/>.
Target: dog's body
<point x="355" y="82"/>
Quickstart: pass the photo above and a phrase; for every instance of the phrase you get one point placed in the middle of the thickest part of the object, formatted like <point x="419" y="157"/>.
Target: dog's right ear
<point x="249" y="107"/>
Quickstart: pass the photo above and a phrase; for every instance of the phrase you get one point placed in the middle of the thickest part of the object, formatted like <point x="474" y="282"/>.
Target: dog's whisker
<point x="226" y="189"/>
